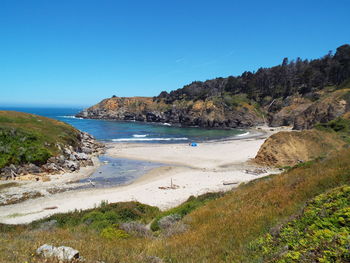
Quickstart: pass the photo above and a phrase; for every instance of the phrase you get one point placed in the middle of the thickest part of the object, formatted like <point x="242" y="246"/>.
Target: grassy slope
<point x="30" y="138"/>
<point x="220" y="231"/>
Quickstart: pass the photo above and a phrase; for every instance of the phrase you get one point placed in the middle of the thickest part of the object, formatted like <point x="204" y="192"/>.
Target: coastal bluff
<point x="208" y="113"/>
<point x="298" y="93"/>
<point x="299" y="111"/>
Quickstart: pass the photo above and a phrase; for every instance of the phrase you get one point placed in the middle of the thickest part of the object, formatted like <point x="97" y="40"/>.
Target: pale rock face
<point x="320" y="112"/>
<point x="61" y="253"/>
<point x="73" y="166"/>
<point x="81" y="156"/>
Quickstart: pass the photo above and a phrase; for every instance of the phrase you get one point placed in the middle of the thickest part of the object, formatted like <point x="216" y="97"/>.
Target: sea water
<point x="129" y="131"/>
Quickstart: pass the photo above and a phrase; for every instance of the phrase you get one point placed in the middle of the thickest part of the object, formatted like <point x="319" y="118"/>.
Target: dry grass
<point x="220" y="231"/>
<point x="288" y="148"/>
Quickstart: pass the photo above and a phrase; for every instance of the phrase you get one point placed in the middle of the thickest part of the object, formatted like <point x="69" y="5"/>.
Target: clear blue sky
<point x="77" y="52"/>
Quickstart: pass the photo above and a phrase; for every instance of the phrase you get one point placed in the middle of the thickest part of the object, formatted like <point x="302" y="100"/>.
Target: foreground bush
<point x="320" y="234"/>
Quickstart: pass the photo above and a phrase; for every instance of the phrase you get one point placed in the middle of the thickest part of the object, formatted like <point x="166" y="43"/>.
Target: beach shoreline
<point x="187" y="171"/>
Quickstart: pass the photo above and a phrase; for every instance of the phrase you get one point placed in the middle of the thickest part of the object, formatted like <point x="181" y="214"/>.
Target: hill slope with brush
<point x="33" y="144"/>
<point x="297" y="93"/>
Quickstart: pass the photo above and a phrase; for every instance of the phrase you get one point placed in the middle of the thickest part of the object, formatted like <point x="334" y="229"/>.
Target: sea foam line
<point x="70" y="117"/>
<point x="243" y="134"/>
<point x="149" y="139"/>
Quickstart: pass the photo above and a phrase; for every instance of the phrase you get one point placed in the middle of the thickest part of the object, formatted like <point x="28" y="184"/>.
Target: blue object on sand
<point x="193" y="144"/>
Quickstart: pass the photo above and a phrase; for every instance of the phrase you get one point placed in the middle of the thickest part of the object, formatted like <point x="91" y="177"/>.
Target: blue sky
<point x="77" y="52"/>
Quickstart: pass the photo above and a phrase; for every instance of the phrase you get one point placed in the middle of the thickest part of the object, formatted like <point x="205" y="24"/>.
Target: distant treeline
<point x="296" y="76"/>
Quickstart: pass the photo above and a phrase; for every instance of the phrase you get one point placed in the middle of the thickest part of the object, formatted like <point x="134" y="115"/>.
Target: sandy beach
<point x="190" y="170"/>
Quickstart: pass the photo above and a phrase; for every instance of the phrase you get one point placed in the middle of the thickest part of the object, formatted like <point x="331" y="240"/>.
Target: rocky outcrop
<point x="290" y="148"/>
<point x="305" y="112"/>
<point x="202" y="113"/>
<point x="301" y="112"/>
<point x="70" y="160"/>
<point x="324" y="110"/>
<point x="62" y="253"/>
<point x="282" y="112"/>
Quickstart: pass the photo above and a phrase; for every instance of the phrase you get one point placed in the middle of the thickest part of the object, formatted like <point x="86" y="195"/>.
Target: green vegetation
<point x="191" y="204"/>
<point x="105" y="216"/>
<point x="288" y="78"/>
<point x="28" y="138"/>
<point x="232" y="100"/>
<point x="320" y="234"/>
<point x="339" y="125"/>
<point x="111" y="232"/>
<point x="18" y="147"/>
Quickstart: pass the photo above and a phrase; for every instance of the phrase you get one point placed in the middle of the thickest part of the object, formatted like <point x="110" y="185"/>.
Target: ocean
<point x="128" y="131"/>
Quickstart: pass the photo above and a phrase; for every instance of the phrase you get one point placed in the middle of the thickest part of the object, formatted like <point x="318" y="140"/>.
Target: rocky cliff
<point x="228" y="111"/>
<point x="304" y="112"/>
<point x="211" y="112"/>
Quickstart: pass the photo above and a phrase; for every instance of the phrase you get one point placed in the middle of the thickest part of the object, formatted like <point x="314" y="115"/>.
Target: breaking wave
<point x="148" y="139"/>
<point x="139" y="135"/>
<point x="243" y="134"/>
<point x="70" y="117"/>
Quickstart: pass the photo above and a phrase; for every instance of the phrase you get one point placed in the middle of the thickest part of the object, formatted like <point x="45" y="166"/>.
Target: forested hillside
<point x="291" y="77"/>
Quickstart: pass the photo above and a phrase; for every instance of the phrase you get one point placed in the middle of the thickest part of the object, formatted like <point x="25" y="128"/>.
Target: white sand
<point x="195" y="170"/>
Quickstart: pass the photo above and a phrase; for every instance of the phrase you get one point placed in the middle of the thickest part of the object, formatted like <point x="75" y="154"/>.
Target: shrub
<point x="136" y="229"/>
<point x="191" y="204"/>
<point x="27" y="138"/>
<point x="337" y="125"/>
<point x="105" y="215"/>
<point x="320" y="234"/>
<point x="20" y="147"/>
<point x="113" y="233"/>
<point x="168" y="221"/>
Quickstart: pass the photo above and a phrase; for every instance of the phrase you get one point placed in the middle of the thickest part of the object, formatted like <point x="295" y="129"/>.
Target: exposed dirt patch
<point x="291" y="148"/>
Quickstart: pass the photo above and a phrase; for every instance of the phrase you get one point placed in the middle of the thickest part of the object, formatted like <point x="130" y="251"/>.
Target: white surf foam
<point x="243" y="134"/>
<point x="139" y="135"/>
<point x="70" y="117"/>
<point x="148" y="139"/>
